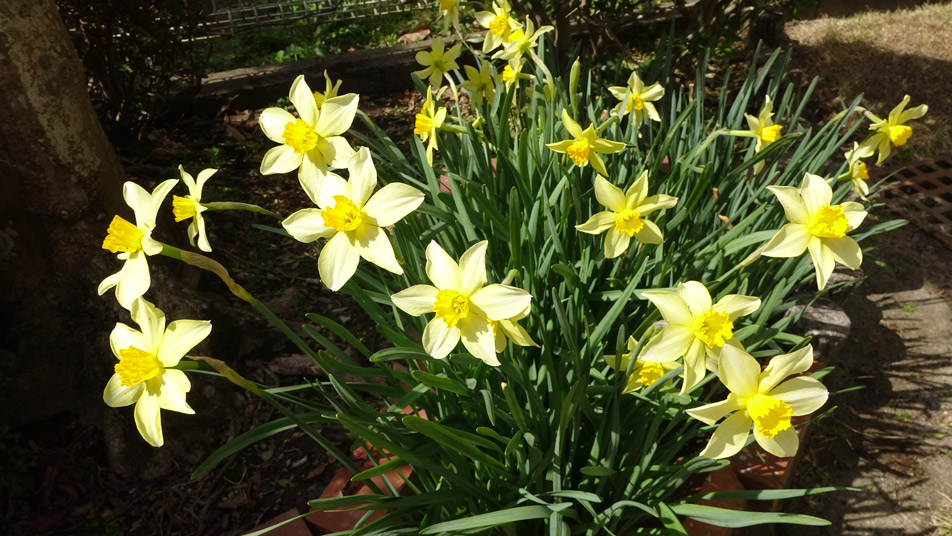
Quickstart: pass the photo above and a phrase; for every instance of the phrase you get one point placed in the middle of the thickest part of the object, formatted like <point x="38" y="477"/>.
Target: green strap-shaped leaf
<point x="723" y="517"/>
<point x="492" y="519"/>
<point x="467" y="444"/>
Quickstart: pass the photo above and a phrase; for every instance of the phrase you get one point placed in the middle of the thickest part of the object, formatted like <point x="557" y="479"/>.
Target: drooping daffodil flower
<point x="144" y="376"/>
<point x="586" y="145"/>
<point x="449" y="10"/>
<point x="353" y="218"/>
<point x="893" y="130"/>
<point x="639" y="99"/>
<point x="763" y="129"/>
<point x="762" y="399"/>
<point x="521" y="41"/>
<point x="427" y="122"/>
<point x="697" y="328"/>
<point x="499" y="24"/>
<point x="437" y="62"/>
<point x="624" y="218"/>
<point x="817" y="227"/>
<point x="311" y="143"/>
<point x="858" y="173"/>
<point x="481" y="83"/>
<point x="643" y="373"/>
<point x="134" y="242"/>
<point x="191" y="206"/>
<point x="464" y="305"/>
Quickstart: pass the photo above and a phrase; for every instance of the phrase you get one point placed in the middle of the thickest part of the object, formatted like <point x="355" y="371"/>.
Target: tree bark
<point x="60" y="183"/>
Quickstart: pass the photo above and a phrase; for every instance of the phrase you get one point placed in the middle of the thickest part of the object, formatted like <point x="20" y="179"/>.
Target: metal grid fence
<point x="227" y="17"/>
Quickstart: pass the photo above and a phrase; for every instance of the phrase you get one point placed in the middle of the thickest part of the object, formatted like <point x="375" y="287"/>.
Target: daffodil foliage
<point x="577" y="283"/>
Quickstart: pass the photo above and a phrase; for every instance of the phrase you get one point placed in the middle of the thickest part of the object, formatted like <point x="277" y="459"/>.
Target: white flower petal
<point x="123" y="336"/>
<point x="854" y="212"/>
<point x="416" y="300"/>
<point x="729" y="437"/>
<point x="337" y="114"/>
<point x="175" y="385"/>
<point x="472" y="270"/>
<point x="805" y="395"/>
<point x="823" y="262"/>
<point x="738" y="371"/>
<point x="134" y="281"/>
<point x="736" y="305"/>
<point x="499" y="302"/>
<point x="783" y="445"/>
<point x="180" y="337"/>
<point x="138" y="200"/>
<point x="273" y="121"/>
<point x="338" y="261"/>
<point x="844" y="250"/>
<point x="815" y="192"/>
<point x="441" y="268"/>
<point x="116" y="395"/>
<point x="148" y="418"/>
<point x="478" y="339"/>
<point x="439" y="339"/>
<point x="311" y="179"/>
<point x="673" y="309"/>
<point x="280" y="159"/>
<point x="307" y="225"/>
<point x="392" y="203"/>
<point x="695" y="296"/>
<point x="793" y="206"/>
<point x="669" y="344"/>
<point x="790" y="241"/>
<point x="302" y="98"/>
<point x="363" y="177"/>
<point x="375" y="247"/>
<point x="151" y="321"/>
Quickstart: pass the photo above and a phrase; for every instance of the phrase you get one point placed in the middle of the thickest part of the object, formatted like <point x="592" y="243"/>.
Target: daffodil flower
<point x="512" y="72"/>
<point x="585" y="146"/>
<point x="817" y="226"/>
<point x="427" y="122"/>
<point x="760" y="399"/>
<point x="643" y="373"/>
<point x="696" y="328"/>
<point x="481" y="83"/>
<point x="144" y="376"/>
<point x="449" y="10"/>
<point x="311" y="143"/>
<point x="134" y="242"/>
<point x="624" y="218"/>
<point x="353" y="219"/>
<point x="639" y="99"/>
<point x="463" y="304"/>
<point x="499" y="23"/>
<point x="858" y="174"/>
<point x="521" y="41"/>
<point x="763" y="128"/>
<point x="191" y="206"/>
<point x="892" y="131"/>
<point x="330" y="90"/>
<point x="437" y="61"/>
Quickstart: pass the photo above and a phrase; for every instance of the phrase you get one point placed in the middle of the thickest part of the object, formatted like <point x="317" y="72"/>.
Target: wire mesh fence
<point x="233" y="16"/>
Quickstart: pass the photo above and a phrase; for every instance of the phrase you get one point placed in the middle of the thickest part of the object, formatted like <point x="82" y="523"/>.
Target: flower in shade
<point x="892" y="131"/>
<point x="643" y="373"/>
<point x="521" y="41"/>
<point x="858" y="174"/>
<point x="624" y="218"/>
<point x="134" y="242"/>
<point x="762" y="399"/>
<point x="817" y="226"/>
<point x="697" y="328"/>
<point x="144" y="376"/>
<point x="764" y="129"/>
<point x="449" y="10"/>
<point x="585" y="146"/>
<point x="352" y="217"/>
<point x="481" y="83"/>
<point x="499" y="24"/>
<point x="639" y="99"/>
<point x="464" y="305"/>
<point x="427" y="122"/>
<point x="190" y="206"/>
<point x="311" y="143"/>
<point x="437" y="62"/>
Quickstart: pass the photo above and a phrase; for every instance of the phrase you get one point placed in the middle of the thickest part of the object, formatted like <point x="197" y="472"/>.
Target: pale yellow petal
<point x="729" y="437"/>
<point x="499" y="302"/>
<point x="823" y="261"/>
<point x="392" y="203"/>
<point x="737" y="305"/>
<point x="793" y="206"/>
<point x="338" y="261"/>
<point x="439" y="339"/>
<point x="441" y="268"/>
<point x="669" y="344"/>
<point x="672" y="307"/>
<point x="739" y="372"/>
<point x="477" y="337"/>
<point x="790" y="241"/>
<point x="307" y="225"/>
<point x="695" y="296"/>
<point x="416" y="300"/>
<point x="785" y="365"/>
<point x="815" y="192"/>
<point x="783" y="445"/>
<point x="116" y="395"/>
<point x="374" y="246"/>
<point x="472" y="271"/>
<point x="805" y="395"/>
<point x="609" y="195"/>
<point x="844" y="250"/>
<point x="148" y="418"/>
<point x="180" y="337"/>
<point x="711" y="413"/>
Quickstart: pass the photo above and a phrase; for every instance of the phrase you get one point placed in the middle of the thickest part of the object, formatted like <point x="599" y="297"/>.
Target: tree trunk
<point x="60" y="183"/>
